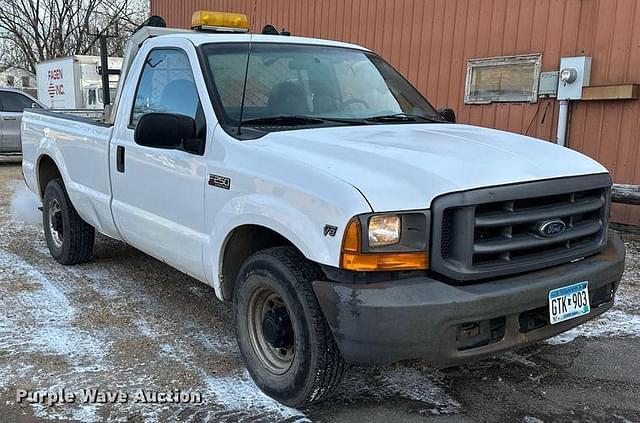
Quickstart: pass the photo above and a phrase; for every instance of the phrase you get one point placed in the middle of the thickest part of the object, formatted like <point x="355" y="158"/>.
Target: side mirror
<point x="170" y="131"/>
<point x="448" y="114"/>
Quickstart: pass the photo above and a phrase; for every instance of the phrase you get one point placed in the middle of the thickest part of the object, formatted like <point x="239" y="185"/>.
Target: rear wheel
<point x="283" y="337"/>
<point x="69" y="238"/>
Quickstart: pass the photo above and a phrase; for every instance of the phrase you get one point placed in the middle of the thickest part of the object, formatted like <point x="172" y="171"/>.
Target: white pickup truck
<point x="349" y="222"/>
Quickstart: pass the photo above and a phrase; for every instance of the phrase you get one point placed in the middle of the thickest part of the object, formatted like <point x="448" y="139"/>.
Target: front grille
<point x="506" y="231"/>
<point x="495" y="231"/>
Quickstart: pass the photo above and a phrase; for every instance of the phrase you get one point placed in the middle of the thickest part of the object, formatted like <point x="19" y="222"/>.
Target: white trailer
<point x="74" y="82"/>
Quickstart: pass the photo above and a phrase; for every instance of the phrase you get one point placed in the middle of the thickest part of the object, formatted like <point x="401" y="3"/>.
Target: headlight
<point x="392" y="241"/>
<point x="384" y="229"/>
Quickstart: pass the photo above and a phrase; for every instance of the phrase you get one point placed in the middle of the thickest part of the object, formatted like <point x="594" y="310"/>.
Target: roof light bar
<point x="219" y="21"/>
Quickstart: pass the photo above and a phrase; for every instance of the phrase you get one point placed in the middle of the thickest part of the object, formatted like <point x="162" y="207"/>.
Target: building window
<point x="503" y="79"/>
<point x="11" y="80"/>
<point x="25" y="82"/>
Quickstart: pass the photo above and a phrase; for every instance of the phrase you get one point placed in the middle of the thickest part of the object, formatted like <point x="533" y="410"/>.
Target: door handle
<point x="120" y="158"/>
<point x="10" y="118"/>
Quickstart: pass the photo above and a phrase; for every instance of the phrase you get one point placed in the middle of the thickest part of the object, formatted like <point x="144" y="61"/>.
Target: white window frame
<point x="472" y="64"/>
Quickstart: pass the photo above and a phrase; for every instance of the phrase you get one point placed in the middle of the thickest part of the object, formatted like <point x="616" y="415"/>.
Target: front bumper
<point x="451" y="324"/>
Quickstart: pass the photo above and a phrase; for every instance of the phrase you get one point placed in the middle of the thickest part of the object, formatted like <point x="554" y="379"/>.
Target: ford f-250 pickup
<point x="349" y="222"/>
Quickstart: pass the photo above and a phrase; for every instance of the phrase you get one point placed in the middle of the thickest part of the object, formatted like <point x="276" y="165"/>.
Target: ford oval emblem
<point x="550" y="228"/>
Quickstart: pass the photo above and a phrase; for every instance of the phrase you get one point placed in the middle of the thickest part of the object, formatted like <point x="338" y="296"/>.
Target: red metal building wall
<point x="429" y="41"/>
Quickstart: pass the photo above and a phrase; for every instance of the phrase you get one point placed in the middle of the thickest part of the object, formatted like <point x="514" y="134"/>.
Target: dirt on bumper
<point x="427" y="318"/>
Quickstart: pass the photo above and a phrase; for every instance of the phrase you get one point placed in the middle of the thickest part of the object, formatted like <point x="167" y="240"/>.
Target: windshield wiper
<point x="294" y="120"/>
<point x="402" y="117"/>
<point x="282" y="120"/>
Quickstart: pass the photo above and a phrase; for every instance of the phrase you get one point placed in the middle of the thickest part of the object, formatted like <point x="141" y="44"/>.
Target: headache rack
<point x="495" y="231"/>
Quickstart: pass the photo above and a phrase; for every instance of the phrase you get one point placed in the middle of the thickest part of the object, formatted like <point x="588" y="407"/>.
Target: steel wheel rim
<point x="54" y="220"/>
<point x="276" y="360"/>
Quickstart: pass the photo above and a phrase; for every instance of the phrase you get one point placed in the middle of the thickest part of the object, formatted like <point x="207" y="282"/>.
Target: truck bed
<point x="79" y="147"/>
<point x="91" y="116"/>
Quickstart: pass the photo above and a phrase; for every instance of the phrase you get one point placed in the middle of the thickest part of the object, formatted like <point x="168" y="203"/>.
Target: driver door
<point x="158" y="194"/>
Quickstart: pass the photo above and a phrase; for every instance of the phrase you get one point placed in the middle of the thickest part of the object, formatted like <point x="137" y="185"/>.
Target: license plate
<point x="569" y="302"/>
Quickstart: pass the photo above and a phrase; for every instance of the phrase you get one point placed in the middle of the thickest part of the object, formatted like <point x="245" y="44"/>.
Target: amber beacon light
<point x="219" y="21"/>
<point x="352" y="257"/>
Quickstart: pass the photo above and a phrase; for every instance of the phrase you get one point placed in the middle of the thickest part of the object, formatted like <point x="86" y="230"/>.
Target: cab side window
<point x="166" y="85"/>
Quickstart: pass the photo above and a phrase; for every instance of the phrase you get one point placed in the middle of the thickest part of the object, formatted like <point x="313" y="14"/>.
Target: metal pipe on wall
<point x="563" y="121"/>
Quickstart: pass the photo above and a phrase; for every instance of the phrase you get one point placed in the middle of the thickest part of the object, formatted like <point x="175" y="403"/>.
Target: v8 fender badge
<point x="220" y="181"/>
<point x="330" y="230"/>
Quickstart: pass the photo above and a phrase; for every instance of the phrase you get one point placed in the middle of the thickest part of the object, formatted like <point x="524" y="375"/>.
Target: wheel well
<point x="47" y="170"/>
<point x="243" y="242"/>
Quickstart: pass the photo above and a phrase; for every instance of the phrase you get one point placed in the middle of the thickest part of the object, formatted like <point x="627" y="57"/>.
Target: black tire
<point x="317" y="365"/>
<point x="69" y="238"/>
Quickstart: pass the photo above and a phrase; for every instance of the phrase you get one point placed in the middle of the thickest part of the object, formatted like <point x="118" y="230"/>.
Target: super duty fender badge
<point x="330" y="230"/>
<point x="220" y="181"/>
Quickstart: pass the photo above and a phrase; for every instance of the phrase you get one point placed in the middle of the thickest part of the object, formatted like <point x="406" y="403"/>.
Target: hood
<point x="405" y="166"/>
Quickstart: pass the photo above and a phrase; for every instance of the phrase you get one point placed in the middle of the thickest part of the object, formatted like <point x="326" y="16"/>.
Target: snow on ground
<point x="613" y="323"/>
<point x="88" y="352"/>
<point x="38" y="323"/>
<point x="238" y="392"/>
<point x="418" y="385"/>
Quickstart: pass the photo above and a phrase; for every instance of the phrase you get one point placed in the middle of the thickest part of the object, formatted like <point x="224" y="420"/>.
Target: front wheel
<point x="69" y="238"/>
<point x="282" y="334"/>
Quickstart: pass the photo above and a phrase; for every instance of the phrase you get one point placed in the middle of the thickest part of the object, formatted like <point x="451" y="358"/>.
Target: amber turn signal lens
<point x="384" y="261"/>
<point x="351" y="242"/>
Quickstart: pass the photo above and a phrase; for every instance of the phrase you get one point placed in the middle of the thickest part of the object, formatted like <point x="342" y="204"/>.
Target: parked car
<point x="12" y="104"/>
<point x="349" y="222"/>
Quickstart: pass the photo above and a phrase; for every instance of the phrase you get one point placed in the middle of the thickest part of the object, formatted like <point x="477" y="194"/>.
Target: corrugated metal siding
<point x="430" y="41"/>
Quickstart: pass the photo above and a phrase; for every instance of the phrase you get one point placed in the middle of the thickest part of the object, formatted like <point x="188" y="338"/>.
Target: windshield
<point x="328" y="85"/>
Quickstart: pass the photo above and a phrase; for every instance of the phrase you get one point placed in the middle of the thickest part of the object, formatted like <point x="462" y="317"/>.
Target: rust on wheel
<point x="271" y="330"/>
<point x="54" y="218"/>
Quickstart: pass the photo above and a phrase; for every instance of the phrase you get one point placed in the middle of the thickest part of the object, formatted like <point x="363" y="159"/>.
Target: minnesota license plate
<point x="569" y="302"/>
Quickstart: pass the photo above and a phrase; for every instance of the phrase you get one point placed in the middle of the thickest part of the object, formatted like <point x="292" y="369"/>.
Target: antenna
<point x="246" y="72"/>
<point x="244" y="87"/>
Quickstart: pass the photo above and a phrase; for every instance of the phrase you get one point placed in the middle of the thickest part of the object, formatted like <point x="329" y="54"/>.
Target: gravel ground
<point x="128" y="322"/>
